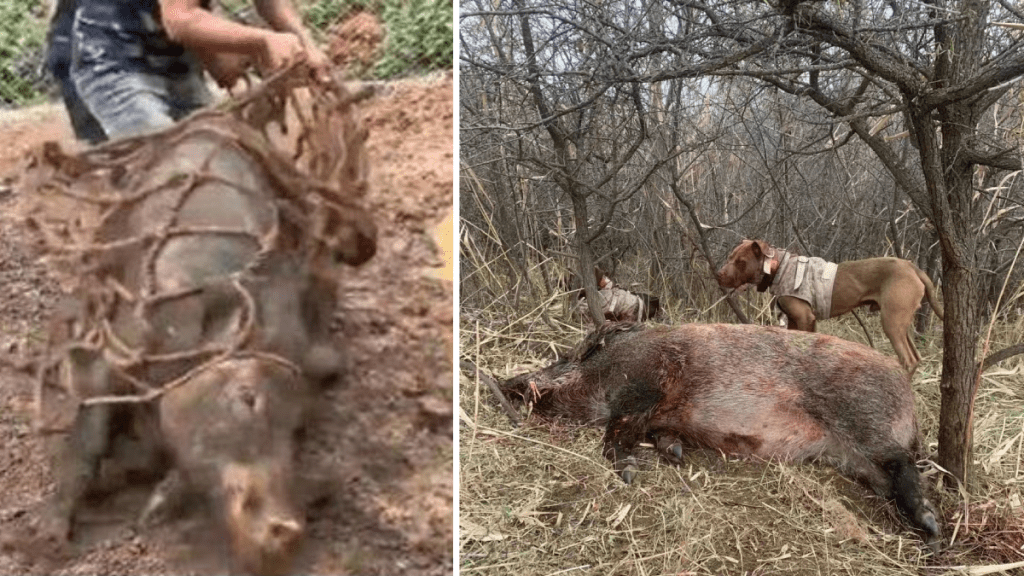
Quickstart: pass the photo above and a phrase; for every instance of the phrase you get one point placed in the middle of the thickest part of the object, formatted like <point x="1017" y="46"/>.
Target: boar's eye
<point x="246" y="400"/>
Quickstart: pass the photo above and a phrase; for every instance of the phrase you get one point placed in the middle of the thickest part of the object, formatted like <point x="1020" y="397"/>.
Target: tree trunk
<point x="595" y="302"/>
<point x="928" y="263"/>
<point x="950" y="200"/>
<point x="958" y="374"/>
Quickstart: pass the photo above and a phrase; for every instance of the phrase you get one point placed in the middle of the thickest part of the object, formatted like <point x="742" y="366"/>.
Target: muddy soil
<point x="379" y="446"/>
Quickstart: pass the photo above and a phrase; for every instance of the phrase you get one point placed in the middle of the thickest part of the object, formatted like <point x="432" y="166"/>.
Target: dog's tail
<point x="929" y="292"/>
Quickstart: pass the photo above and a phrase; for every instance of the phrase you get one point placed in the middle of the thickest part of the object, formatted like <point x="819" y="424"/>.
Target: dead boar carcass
<point x="201" y="261"/>
<point x="745" y="390"/>
<point x="225" y="414"/>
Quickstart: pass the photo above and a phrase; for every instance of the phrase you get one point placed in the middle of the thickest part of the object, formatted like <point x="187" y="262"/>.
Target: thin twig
<point x="472" y="369"/>
<point x="863" y="327"/>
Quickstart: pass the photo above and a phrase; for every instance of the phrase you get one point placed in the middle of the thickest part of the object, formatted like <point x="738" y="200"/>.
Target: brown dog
<point x="894" y="286"/>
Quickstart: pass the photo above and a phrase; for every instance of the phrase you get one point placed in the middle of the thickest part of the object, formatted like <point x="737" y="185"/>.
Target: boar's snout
<point x="265" y="529"/>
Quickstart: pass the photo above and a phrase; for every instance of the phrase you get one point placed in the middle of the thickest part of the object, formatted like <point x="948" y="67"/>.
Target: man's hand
<point x="282" y="16"/>
<point x="319" y="62"/>
<point x="210" y="35"/>
<point x="280" y="49"/>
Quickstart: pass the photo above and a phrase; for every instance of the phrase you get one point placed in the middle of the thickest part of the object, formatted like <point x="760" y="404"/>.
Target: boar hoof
<point x="628" y="470"/>
<point x="676" y="450"/>
<point x="923" y="518"/>
<point x="55" y="530"/>
<point x="931" y="527"/>
<point x="50" y="537"/>
<point x="671" y="448"/>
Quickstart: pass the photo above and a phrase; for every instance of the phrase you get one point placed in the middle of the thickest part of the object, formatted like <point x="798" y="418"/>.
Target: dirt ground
<point x="381" y="440"/>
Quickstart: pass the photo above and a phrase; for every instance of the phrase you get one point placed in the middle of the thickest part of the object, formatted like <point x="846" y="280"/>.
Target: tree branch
<point x="997" y="357"/>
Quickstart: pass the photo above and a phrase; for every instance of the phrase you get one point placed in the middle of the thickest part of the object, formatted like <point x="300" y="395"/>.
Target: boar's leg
<point x="129" y="460"/>
<point x="77" y="455"/>
<point x="890" y="474"/>
<point x="77" y="461"/>
<point x="905" y="488"/>
<point x="670" y="447"/>
<point x="630" y="406"/>
<point x="322" y="363"/>
<point x="166" y="499"/>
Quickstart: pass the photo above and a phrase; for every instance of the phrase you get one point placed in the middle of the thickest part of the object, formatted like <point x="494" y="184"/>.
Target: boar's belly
<point x="769" y="431"/>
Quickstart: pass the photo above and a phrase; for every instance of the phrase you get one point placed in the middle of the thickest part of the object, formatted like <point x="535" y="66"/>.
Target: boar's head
<point x="231" y="429"/>
<point x="343" y="233"/>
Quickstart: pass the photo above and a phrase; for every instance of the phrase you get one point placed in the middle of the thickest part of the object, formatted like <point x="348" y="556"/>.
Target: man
<point x="58" y="62"/>
<point x="137" y="64"/>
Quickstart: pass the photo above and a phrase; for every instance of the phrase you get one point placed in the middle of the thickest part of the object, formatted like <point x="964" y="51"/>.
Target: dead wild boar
<point x="228" y="431"/>
<point x="745" y="390"/>
<point x="204" y="262"/>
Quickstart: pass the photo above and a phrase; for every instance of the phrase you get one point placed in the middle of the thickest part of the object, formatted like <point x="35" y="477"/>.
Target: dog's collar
<point x="770" y="268"/>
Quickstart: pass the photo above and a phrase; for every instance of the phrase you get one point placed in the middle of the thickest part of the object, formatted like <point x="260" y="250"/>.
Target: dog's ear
<point x="763" y="249"/>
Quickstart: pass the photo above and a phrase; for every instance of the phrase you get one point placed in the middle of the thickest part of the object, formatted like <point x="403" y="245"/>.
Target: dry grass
<point x="542" y="500"/>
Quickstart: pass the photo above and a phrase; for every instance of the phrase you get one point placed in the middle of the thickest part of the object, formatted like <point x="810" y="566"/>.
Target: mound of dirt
<point x="355" y="42"/>
<point x="379" y="446"/>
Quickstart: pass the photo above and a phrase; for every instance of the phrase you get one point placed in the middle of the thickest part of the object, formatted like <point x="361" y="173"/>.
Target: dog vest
<point x="619" y="303"/>
<point x="809" y="279"/>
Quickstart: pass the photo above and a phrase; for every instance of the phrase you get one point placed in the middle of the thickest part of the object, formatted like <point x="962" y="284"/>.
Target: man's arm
<point x="282" y="16"/>
<point x="188" y="23"/>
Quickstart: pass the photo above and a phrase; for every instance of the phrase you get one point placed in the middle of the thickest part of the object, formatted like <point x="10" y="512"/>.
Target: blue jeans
<point x="129" y="88"/>
<point x="58" y="62"/>
<point x="85" y="125"/>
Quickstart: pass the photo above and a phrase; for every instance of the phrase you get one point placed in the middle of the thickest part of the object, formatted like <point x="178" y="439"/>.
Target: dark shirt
<point x="138" y="16"/>
<point x="127" y="28"/>
<point x="126" y="34"/>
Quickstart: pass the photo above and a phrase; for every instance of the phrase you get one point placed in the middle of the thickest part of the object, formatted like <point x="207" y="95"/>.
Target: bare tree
<point x="594" y="127"/>
<point x="938" y="67"/>
<point x="798" y="91"/>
